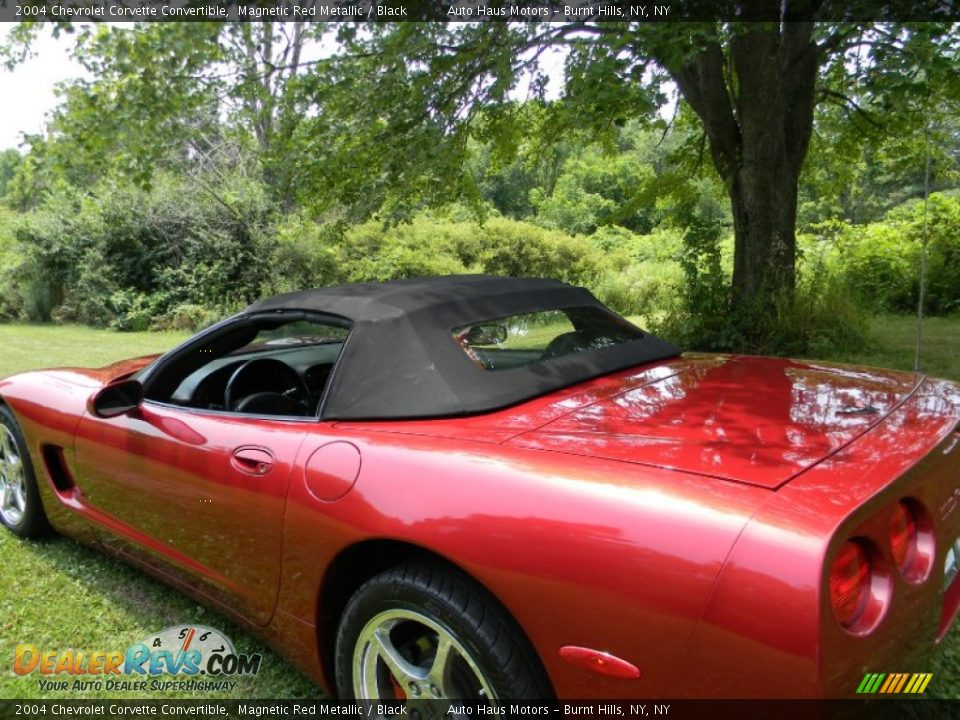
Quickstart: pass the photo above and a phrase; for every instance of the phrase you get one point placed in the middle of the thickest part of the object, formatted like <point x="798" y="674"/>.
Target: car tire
<point x="395" y="623"/>
<point x="21" y="510"/>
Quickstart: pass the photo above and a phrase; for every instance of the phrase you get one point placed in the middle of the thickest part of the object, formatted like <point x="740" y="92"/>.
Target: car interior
<point x="521" y="340"/>
<point x="262" y="367"/>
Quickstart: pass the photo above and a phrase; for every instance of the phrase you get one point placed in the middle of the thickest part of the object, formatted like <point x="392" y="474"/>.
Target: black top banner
<point x="583" y="11"/>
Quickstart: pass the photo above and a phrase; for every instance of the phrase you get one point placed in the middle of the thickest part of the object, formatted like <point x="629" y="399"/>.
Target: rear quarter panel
<point x="581" y="552"/>
<point x="769" y="629"/>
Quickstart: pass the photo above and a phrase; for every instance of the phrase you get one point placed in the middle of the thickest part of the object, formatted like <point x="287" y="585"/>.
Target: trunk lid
<point x="758" y="421"/>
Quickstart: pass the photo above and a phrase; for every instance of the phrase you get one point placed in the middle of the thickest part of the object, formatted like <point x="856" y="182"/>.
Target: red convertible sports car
<point x="486" y="488"/>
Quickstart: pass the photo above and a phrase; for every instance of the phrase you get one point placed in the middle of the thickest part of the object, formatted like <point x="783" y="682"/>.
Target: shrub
<point x="942" y="291"/>
<point x="122" y="256"/>
<point x="510" y="247"/>
<point x="11" y="269"/>
<point x="881" y="261"/>
<point x="644" y="288"/>
<point x="437" y="246"/>
<point x="299" y="254"/>
<point x="822" y="316"/>
<point x="598" y="189"/>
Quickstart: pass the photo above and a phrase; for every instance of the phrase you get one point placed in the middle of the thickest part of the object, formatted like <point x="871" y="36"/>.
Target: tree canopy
<point x="795" y="121"/>
<point x="754" y="86"/>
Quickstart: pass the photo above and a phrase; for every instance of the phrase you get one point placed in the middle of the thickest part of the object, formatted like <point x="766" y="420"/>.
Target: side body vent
<point x="57" y="469"/>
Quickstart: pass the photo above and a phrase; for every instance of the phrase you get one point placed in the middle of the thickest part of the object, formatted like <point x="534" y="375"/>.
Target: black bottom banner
<point x="459" y="710"/>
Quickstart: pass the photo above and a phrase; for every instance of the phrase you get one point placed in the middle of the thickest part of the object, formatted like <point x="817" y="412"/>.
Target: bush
<point x="11" y="271"/>
<point x="644" y="288"/>
<point x="822" y="316"/>
<point x="133" y="259"/>
<point x="942" y="291"/>
<point x="173" y="258"/>
<point x="299" y="254"/>
<point x="881" y="261"/>
<point x="598" y="189"/>
<point x="510" y="247"/>
<point x="439" y="246"/>
<point x="125" y="257"/>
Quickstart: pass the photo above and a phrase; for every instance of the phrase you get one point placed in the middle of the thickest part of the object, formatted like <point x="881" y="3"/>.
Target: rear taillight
<point x="860" y="586"/>
<point x="850" y="579"/>
<point x="903" y="535"/>
<point x="911" y="540"/>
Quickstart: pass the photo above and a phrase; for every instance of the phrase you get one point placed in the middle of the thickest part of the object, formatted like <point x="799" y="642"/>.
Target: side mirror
<point x="119" y="398"/>
<point x="489" y="334"/>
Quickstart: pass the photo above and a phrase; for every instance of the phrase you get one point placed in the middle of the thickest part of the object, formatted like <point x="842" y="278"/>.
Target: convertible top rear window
<point x="520" y="340"/>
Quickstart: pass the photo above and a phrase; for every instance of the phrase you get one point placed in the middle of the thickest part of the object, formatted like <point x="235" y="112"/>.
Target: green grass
<point x="58" y="594"/>
<point x="893" y="344"/>
<point x="30" y="347"/>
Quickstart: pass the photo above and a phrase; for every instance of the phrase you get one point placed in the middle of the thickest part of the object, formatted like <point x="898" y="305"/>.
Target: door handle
<point x="252" y="460"/>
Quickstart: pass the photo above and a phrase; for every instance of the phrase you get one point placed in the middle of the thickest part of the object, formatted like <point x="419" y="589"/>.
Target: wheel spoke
<point x="439" y="669"/>
<point x="20" y="498"/>
<point x="403" y="671"/>
<point x="8" y="449"/>
<point x="13" y="489"/>
<point x="371" y="678"/>
<point x="5" y="445"/>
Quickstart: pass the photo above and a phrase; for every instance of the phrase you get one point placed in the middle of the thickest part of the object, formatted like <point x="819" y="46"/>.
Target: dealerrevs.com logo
<point x="184" y="652"/>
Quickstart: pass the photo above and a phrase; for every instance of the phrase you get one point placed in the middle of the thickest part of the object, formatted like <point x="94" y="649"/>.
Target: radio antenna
<point x="923" y="247"/>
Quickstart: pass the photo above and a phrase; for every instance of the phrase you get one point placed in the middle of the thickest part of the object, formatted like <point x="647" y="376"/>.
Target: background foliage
<point x="269" y="157"/>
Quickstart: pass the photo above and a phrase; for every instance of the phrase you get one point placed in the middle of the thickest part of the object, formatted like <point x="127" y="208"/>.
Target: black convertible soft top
<point x="402" y="361"/>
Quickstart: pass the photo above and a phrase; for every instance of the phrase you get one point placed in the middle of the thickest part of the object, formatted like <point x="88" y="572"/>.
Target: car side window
<point x="530" y="338"/>
<point x="270" y="366"/>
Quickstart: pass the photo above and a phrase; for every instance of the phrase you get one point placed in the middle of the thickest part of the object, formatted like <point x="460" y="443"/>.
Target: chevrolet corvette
<point x="490" y="488"/>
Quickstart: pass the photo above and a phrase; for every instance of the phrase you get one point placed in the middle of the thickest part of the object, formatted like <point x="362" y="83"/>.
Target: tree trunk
<point x="763" y="197"/>
<point x="756" y="99"/>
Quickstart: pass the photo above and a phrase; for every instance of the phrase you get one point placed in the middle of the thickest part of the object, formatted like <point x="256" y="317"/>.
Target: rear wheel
<point x="20" y="508"/>
<point x="423" y="632"/>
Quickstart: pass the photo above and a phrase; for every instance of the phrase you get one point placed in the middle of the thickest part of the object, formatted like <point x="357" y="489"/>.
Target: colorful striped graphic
<point x="894" y="683"/>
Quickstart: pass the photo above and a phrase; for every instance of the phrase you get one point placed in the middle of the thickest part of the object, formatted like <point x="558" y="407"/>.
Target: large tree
<point x="387" y="117"/>
<point x="410" y="96"/>
<point x="203" y="96"/>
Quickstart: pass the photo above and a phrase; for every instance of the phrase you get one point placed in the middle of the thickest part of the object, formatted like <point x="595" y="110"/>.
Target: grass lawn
<point x="894" y="341"/>
<point x="57" y="594"/>
<point x="30" y="347"/>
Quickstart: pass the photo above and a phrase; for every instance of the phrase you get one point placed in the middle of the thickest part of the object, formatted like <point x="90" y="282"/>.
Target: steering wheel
<point x="564" y="344"/>
<point x="268" y="386"/>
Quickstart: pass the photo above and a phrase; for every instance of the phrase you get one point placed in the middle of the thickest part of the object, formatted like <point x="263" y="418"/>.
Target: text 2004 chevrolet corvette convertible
<point x="487" y="488"/>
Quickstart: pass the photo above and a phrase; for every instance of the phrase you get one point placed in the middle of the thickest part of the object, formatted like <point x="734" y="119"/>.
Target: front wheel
<point x="20" y="508"/>
<point x="423" y="632"/>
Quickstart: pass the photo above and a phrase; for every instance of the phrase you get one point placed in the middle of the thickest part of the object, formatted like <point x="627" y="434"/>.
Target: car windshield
<point x="522" y="340"/>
